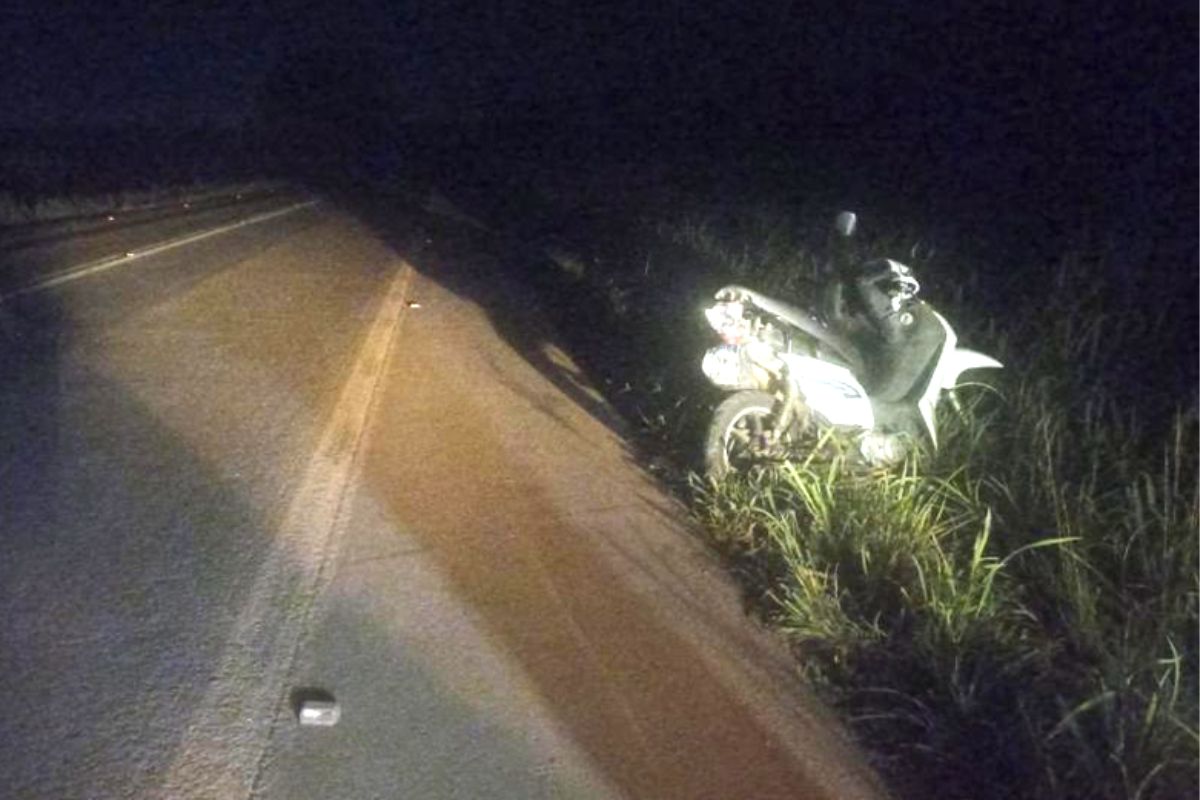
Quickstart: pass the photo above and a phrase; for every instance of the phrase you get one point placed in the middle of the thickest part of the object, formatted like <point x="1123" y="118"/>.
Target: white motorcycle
<point x="795" y="373"/>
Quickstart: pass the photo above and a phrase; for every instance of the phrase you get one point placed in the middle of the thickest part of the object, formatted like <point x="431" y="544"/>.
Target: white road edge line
<point x="108" y="263"/>
<point x="221" y="752"/>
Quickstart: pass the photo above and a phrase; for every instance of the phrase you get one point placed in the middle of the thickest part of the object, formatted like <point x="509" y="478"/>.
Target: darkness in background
<point x="1017" y="129"/>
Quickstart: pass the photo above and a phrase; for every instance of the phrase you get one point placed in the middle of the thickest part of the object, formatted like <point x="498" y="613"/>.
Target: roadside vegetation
<point x="1014" y="615"/>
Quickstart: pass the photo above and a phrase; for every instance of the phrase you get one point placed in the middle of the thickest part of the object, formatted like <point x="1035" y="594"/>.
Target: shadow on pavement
<point x="129" y="556"/>
<point x="517" y="288"/>
<point x="558" y="545"/>
<point x="635" y="340"/>
<point x="126" y="556"/>
<point x="114" y="592"/>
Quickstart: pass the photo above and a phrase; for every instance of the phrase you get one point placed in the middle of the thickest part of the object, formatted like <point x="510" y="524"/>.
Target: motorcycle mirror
<point x="922" y="251"/>
<point x="845" y="223"/>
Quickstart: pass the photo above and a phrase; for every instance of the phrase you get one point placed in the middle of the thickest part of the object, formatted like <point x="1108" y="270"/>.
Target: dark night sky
<point x="90" y="62"/>
<point x="1099" y="93"/>
<point x="82" y="62"/>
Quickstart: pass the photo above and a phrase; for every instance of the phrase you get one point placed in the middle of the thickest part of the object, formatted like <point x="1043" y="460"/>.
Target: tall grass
<point x="1015" y="615"/>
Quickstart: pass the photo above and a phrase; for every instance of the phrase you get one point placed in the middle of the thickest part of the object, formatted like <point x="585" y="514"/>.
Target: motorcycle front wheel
<point x="743" y="434"/>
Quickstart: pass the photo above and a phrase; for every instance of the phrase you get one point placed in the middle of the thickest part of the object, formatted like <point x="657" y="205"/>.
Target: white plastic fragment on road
<point x="321" y="713"/>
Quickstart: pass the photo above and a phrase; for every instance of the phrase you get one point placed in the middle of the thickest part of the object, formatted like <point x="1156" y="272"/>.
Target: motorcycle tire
<point x="748" y="416"/>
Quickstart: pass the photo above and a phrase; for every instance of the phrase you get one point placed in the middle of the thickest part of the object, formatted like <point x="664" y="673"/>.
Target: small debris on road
<point x="413" y="304"/>
<point x="315" y="707"/>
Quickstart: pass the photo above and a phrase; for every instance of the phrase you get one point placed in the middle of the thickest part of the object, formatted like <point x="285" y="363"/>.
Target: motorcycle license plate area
<point x="833" y="392"/>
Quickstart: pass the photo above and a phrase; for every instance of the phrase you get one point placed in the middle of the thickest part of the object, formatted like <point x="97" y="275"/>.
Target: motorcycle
<point x="795" y="372"/>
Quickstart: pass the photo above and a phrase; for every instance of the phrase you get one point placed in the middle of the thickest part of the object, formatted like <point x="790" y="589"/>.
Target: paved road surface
<point x="342" y="452"/>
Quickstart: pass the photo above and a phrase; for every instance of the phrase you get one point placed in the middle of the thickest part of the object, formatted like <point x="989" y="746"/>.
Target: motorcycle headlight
<point x="724" y="367"/>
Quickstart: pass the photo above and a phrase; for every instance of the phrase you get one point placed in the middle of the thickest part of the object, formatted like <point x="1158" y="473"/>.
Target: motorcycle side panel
<point x="831" y="391"/>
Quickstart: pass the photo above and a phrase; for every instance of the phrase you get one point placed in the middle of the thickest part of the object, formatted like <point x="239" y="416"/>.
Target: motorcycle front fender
<point x="954" y="362"/>
<point x="959" y="360"/>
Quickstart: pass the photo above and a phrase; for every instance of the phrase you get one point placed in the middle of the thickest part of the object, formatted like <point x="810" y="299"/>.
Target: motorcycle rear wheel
<point x="742" y="434"/>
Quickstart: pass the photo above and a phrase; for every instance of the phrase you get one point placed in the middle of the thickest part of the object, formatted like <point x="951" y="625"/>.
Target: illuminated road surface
<point x="313" y="452"/>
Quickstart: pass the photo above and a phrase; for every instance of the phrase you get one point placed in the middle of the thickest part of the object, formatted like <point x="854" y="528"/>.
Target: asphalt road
<point x="343" y="452"/>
